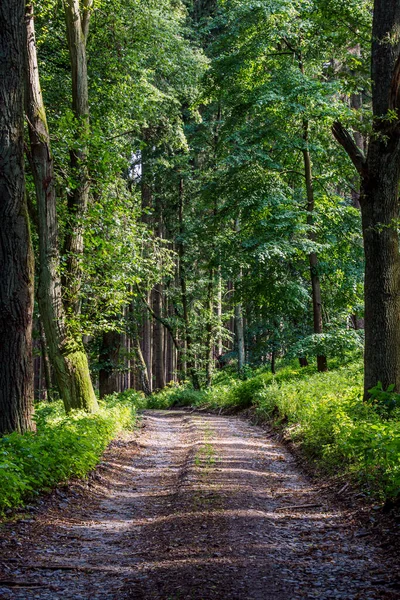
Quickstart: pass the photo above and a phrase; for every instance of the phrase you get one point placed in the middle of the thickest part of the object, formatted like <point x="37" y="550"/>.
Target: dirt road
<point x="196" y="507"/>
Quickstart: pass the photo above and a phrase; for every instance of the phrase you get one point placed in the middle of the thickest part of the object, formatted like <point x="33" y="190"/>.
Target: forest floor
<point x="193" y="507"/>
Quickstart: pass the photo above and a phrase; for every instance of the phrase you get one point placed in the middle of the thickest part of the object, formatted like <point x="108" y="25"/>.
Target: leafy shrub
<point x="332" y="343"/>
<point x="385" y="402"/>
<point x="173" y="395"/>
<point x="62" y="447"/>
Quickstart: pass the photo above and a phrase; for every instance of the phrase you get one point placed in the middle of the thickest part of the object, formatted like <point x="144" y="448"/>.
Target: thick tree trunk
<point x="380" y="215"/>
<point x="109" y="358"/>
<point x="380" y="172"/>
<point x="16" y="258"/>
<point x="313" y="260"/>
<point x="77" y="17"/>
<point x="66" y="353"/>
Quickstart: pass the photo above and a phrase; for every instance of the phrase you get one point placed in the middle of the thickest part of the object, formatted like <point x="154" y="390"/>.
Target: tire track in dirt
<point x="200" y="509"/>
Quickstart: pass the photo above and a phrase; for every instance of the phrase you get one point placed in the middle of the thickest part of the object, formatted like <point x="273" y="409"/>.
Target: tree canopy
<point x="207" y="184"/>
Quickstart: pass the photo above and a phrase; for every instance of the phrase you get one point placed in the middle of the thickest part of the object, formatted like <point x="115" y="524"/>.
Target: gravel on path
<point x="194" y="507"/>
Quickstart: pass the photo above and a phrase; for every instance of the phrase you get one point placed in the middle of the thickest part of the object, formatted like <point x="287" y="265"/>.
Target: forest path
<point x="200" y="509"/>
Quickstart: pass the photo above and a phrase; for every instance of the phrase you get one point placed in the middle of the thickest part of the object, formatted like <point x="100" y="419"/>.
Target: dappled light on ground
<point x="202" y="508"/>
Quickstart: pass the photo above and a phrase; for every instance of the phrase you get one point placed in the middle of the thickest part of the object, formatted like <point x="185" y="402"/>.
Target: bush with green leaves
<point x="384" y="401"/>
<point x="332" y="343"/>
<point x="62" y="447"/>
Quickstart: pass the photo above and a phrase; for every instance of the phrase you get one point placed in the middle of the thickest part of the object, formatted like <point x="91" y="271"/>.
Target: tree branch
<point x="346" y="140"/>
<point x="87" y="6"/>
<point x="394" y="102"/>
<point x="291" y="48"/>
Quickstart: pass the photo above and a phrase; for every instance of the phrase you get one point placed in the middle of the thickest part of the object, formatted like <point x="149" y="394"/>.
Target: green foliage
<point x="197" y="115"/>
<point x="62" y="447"/>
<point x="333" y="343"/>
<point x="176" y="395"/>
<point x="385" y="402"/>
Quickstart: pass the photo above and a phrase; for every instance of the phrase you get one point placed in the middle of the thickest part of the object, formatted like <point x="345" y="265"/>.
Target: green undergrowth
<point x="323" y="413"/>
<point x="62" y="447"/>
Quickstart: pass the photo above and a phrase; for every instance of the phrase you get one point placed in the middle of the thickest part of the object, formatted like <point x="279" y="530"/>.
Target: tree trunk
<point x="313" y="260"/>
<point x="239" y="326"/>
<point x="380" y="172"/>
<point x="219" y="314"/>
<point x="109" y="358"/>
<point x="158" y="340"/>
<point x="16" y="258"/>
<point x="148" y="343"/>
<point x="209" y="329"/>
<point x="147" y="335"/>
<point x="380" y="215"/>
<point x="273" y="362"/>
<point x="144" y="379"/>
<point x="66" y="353"/>
<point x="239" y="332"/>
<point x="77" y="24"/>
<point x="170" y="350"/>
<point x="128" y="360"/>
<point x="46" y="363"/>
<point x="231" y="323"/>
<point x="188" y="358"/>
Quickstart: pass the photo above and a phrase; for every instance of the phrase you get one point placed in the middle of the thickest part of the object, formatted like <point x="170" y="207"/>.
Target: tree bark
<point x="147" y="335"/>
<point x="239" y="326"/>
<point x="46" y="363"/>
<point x="273" y="362"/>
<point x="380" y="172"/>
<point x="157" y="300"/>
<point x="66" y="352"/>
<point x="148" y="344"/>
<point x="188" y="358"/>
<point x="380" y="215"/>
<point x="219" y="314"/>
<point x="144" y="379"/>
<point x="209" y="330"/>
<point x="170" y="350"/>
<point x="77" y="18"/>
<point x="16" y="258"/>
<point x="239" y="333"/>
<point x="158" y="340"/>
